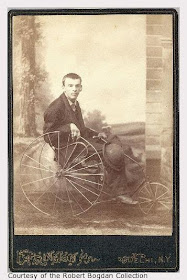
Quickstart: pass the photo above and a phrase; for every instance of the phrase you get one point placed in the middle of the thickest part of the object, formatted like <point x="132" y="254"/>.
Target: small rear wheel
<point x="154" y="196"/>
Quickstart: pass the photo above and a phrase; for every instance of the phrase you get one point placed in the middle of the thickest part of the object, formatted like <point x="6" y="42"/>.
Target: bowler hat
<point x="113" y="155"/>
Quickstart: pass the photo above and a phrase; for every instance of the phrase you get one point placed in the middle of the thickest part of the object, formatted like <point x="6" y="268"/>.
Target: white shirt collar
<point x="70" y="102"/>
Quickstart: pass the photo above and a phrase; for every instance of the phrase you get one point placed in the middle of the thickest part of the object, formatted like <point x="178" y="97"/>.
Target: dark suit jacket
<point x="58" y="117"/>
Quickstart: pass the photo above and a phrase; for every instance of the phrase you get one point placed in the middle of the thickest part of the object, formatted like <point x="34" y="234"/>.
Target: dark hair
<point x="71" y="76"/>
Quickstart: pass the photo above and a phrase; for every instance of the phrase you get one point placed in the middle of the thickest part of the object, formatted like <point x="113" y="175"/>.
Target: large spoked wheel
<point x="154" y="196"/>
<point x="55" y="179"/>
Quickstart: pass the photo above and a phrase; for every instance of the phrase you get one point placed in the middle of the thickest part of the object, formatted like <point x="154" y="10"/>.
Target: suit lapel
<point x="75" y="118"/>
<point x="79" y="116"/>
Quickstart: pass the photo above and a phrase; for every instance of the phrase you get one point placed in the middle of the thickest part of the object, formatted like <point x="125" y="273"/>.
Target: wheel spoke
<point x="102" y="191"/>
<point x="148" y="202"/>
<point x="35" y="205"/>
<point x="93" y="187"/>
<point x="162" y="195"/>
<point x="144" y="206"/>
<point x="164" y="205"/>
<point x="87" y="174"/>
<point x="69" y="200"/>
<point x="79" y="191"/>
<point x="70" y="155"/>
<point x="156" y="190"/>
<point x="55" y="197"/>
<point x="150" y="193"/>
<point x="85" y="188"/>
<point x="80" y="153"/>
<point x="99" y="190"/>
<point x="37" y="168"/>
<point x="89" y="166"/>
<point x="167" y="202"/>
<point x="38" y="180"/>
<point x="82" y="161"/>
<point x="54" y="203"/>
<point x="46" y="159"/>
<point x="145" y="198"/>
<point x="35" y="146"/>
<point x="102" y="201"/>
<point x="26" y="174"/>
<point x="39" y="163"/>
<point x="75" y="201"/>
<point x="144" y="192"/>
<point x="150" y="208"/>
<point x="83" y="179"/>
<point x="45" y="191"/>
<point x="66" y="151"/>
<point x="58" y="197"/>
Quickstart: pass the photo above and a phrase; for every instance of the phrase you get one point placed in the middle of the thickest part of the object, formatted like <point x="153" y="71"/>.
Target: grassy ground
<point x="109" y="218"/>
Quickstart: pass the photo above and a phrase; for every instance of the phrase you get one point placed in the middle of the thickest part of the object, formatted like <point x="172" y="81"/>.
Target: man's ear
<point x="62" y="87"/>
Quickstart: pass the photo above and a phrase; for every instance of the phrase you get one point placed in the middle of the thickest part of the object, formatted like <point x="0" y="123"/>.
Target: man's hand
<point x="75" y="132"/>
<point x="102" y="135"/>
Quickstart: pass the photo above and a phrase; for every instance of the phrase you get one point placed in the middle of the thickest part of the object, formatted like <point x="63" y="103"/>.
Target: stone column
<point x="154" y="29"/>
<point x="167" y="113"/>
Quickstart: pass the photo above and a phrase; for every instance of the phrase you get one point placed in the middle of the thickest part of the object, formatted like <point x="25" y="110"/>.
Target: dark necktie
<point x="73" y="107"/>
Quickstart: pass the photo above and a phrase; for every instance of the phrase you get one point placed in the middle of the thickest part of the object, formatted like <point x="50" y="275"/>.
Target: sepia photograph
<point x="92" y="119"/>
<point x="93" y="124"/>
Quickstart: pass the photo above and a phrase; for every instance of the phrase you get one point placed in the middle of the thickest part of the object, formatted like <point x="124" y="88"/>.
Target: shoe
<point x="126" y="199"/>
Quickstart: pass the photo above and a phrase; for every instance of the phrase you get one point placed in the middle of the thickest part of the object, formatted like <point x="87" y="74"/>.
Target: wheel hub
<point x="61" y="173"/>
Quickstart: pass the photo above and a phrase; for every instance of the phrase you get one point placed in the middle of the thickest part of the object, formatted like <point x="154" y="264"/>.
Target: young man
<point x="64" y="115"/>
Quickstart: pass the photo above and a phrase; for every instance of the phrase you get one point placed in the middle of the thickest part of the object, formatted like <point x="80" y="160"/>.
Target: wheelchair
<point x="72" y="177"/>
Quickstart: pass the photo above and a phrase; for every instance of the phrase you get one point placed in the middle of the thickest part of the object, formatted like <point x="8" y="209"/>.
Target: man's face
<point x="72" y="88"/>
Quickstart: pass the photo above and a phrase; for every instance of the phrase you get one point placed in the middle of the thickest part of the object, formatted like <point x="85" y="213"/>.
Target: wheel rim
<point x="73" y="181"/>
<point x="154" y="195"/>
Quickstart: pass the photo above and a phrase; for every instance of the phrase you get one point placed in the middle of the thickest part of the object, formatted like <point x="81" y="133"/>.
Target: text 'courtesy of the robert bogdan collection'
<point x="83" y="275"/>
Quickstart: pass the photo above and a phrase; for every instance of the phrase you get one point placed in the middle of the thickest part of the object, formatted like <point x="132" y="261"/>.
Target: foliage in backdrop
<point x="31" y="90"/>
